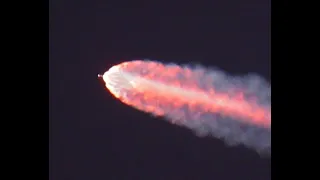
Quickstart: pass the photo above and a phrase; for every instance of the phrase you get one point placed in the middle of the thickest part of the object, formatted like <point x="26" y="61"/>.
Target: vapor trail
<point x="210" y="102"/>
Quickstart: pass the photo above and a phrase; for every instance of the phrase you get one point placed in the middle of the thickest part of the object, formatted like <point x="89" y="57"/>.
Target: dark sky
<point x="93" y="136"/>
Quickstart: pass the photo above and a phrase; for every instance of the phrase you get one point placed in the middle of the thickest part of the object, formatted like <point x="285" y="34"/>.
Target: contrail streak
<point x="236" y="109"/>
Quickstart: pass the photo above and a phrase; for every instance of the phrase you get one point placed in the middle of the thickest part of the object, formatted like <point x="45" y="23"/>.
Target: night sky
<point x="93" y="136"/>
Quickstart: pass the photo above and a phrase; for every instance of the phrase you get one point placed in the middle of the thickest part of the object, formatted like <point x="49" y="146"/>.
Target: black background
<point x="94" y="136"/>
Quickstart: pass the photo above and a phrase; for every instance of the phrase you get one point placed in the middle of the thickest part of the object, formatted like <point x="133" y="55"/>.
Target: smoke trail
<point x="210" y="102"/>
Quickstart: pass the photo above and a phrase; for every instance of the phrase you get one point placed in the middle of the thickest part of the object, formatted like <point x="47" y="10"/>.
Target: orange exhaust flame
<point x="237" y="109"/>
<point x="157" y="85"/>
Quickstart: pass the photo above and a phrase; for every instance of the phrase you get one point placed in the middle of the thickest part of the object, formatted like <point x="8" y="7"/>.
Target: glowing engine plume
<point x="237" y="109"/>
